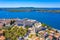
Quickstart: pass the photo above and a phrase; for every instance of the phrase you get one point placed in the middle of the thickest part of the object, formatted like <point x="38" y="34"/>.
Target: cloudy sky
<point x="30" y="3"/>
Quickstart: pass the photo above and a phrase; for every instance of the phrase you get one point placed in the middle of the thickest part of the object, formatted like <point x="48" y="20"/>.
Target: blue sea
<point x="51" y="19"/>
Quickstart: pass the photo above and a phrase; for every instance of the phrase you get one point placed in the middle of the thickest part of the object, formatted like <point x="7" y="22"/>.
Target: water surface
<point x="51" y="19"/>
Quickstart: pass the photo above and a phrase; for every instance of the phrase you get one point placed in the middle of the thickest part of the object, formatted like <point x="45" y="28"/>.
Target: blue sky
<point x="30" y="3"/>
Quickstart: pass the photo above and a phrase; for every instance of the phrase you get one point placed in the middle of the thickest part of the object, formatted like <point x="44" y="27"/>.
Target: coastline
<point x="17" y="19"/>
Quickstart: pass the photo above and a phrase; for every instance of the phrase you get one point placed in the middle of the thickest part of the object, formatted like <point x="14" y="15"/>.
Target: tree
<point x="44" y="25"/>
<point x="12" y="22"/>
<point x="27" y="26"/>
<point x="15" y="32"/>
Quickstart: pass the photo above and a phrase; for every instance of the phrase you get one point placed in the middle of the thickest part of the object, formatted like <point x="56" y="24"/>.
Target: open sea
<point x="51" y="19"/>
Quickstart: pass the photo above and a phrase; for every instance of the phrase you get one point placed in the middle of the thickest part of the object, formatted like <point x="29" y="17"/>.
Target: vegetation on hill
<point x="12" y="33"/>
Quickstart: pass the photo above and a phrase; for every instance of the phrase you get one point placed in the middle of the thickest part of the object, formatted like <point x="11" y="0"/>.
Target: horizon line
<point x="30" y="7"/>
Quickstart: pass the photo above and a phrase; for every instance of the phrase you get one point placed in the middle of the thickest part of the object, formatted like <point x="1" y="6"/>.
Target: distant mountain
<point x="32" y="8"/>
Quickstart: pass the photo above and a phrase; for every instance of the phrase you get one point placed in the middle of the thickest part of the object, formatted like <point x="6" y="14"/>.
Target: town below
<point x="26" y="29"/>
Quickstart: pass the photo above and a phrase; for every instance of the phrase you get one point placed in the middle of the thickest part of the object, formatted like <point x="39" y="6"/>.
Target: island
<point x="31" y="9"/>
